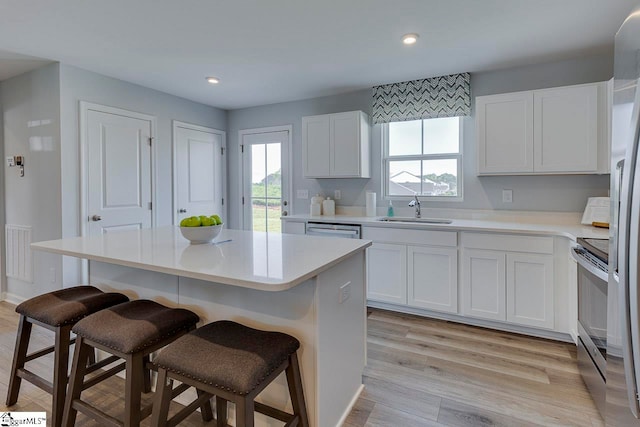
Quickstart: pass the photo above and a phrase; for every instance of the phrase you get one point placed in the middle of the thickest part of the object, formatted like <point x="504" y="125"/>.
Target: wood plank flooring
<point x="421" y="372"/>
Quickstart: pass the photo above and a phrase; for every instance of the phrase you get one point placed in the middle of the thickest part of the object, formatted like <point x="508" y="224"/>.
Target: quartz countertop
<point x="538" y="223"/>
<point x="264" y="261"/>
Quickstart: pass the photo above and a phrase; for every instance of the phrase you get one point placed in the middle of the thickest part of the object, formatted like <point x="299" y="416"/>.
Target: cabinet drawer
<point x="510" y="243"/>
<point x="407" y="236"/>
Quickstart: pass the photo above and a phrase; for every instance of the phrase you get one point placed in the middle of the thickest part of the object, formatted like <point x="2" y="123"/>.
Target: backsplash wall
<point x="537" y="193"/>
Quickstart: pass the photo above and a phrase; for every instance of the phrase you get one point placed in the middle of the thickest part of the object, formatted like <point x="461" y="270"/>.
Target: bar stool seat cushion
<point x="228" y="355"/>
<point x="67" y="306"/>
<point x="133" y="326"/>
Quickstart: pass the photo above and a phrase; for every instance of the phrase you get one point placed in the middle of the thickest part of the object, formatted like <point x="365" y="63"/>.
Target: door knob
<point x="285" y="203"/>
<point x="285" y="213"/>
<point x="182" y="211"/>
<point x="96" y="218"/>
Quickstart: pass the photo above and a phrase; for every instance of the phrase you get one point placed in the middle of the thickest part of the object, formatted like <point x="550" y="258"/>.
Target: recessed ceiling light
<point x="213" y="80"/>
<point x="410" y="38"/>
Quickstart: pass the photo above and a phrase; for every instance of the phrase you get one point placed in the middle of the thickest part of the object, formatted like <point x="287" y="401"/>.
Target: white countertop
<point x="539" y="223"/>
<point x="264" y="261"/>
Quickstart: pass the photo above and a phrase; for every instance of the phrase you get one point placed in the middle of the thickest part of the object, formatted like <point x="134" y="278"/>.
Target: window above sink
<point x="423" y="157"/>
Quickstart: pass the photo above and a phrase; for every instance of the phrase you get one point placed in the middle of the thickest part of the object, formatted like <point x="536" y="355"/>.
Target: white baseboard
<point x="12" y="298"/>
<point x="355" y="398"/>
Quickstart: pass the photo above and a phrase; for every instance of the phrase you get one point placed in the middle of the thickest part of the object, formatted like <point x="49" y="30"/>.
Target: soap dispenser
<point x="390" y="209"/>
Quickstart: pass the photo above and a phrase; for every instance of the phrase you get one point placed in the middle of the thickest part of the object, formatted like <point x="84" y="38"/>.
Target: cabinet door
<point x="345" y="144"/>
<point x="432" y="280"/>
<point x="315" y="146"/>
<point x="504" y="124"/>
<point x="483" y="284"/>
<point x="387" y="273"/>
<point x="566" y="129"/>
<point x="530" y="290"/>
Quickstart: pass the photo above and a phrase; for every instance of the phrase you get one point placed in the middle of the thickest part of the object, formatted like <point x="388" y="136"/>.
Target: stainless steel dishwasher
<point x="345" y="231"/>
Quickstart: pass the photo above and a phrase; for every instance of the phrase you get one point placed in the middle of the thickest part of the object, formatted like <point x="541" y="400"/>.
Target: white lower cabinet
<point x="530" y="290"/>
<point x="404" y="269"/>
<point x="483" y="284"/>
<point x="387" y="273"/>
<point x="516" y="287"/>
<point x="432" y="278"/>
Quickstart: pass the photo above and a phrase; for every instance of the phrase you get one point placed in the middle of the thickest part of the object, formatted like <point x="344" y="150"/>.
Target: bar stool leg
<point x="60" y="372"/>
<point x="162" y="399"/>
<point x="244" y="412"/>
<point x="295" y="390"/>
<point x="133" y="389"/>
<point x="19" y="356"/>
<point x="205" y="408"/>
<point x="78" y="369"/>
<point x="221" y="412"/>
<point x="146" y="388"/>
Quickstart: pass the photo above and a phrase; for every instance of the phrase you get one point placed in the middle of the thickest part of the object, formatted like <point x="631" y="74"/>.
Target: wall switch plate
<point x="337" y="194"/>
<point x="345" y="292"/>
<point x="507" y="196"/>
<point x="302" y="194"/>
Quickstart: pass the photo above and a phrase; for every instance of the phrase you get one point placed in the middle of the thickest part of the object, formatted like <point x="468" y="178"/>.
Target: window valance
<point x="444" y="96"/>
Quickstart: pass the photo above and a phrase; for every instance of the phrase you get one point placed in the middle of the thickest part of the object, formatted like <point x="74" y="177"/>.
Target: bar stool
<point x="234" y="363"/>
<point x="56" y="311"/>
<point x="129" y="331"/>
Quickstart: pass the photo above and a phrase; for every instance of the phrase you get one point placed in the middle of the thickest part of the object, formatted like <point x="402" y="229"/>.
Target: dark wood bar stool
<point x="234" y="363"/>
<point x="56" y="311"/>
<point x="129" y="331"/>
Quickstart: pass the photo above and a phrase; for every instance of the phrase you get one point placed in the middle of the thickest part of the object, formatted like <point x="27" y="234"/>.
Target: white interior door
<point x="117" y="161"/>
<point x="198" y="171"/>
<point x="265" y="177"/>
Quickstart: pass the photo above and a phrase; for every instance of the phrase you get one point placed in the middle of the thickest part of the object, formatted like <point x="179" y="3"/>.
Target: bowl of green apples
<point x="201" y="229"/>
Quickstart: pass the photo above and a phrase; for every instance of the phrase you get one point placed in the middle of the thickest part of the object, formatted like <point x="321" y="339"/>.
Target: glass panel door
<point x="265" y="190"/>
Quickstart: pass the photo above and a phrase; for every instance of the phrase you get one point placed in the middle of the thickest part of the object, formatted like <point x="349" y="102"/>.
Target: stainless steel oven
<point x="592" y="258"/>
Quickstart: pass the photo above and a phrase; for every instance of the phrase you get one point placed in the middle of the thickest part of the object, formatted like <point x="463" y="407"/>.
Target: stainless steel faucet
<point x="415" y="202"/>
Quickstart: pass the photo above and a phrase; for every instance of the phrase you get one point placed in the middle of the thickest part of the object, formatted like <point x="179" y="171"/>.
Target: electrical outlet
<point x="302" y="194"/>
<point x="337" y="194"/>
<point x="11" y="161"/>
<point x="507" y="196"/>
<point x="345" y="292"/>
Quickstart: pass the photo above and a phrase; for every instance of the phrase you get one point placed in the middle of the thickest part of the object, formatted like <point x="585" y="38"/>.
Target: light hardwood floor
<point x="421" y="372"/>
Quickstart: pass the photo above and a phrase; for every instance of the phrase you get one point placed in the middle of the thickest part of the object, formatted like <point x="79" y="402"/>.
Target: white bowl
<point x="199" y="235"/>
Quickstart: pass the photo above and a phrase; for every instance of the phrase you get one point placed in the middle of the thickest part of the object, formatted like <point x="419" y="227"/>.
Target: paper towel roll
<point x="371" y="203"/>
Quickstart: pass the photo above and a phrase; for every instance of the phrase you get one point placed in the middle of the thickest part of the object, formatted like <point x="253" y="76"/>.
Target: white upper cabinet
<point x="551" y="131"/>
<point x="505" y="132"/>
<point x="336" y="145"/>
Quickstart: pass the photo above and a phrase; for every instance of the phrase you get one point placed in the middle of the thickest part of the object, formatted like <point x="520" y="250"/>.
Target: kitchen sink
<point x="416" y="220"/>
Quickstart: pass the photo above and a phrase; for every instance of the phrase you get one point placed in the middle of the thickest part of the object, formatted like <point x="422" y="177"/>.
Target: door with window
<point x="265" y="177"/>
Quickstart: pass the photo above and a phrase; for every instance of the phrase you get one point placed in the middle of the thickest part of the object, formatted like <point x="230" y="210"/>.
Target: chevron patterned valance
<point x="444" y="96"/>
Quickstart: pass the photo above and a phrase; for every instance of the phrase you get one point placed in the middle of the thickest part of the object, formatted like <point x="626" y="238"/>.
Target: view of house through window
<point x="424" y="157"/>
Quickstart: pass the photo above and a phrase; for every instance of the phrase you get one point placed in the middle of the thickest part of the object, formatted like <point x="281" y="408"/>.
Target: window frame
<point x="386" y="159"/>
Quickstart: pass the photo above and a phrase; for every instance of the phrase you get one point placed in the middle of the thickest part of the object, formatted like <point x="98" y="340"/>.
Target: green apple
<point x="193" y="221"/>
<point x="184" y="222"/>
<point x="207" y="221"/>
<point x="217" y="219"/>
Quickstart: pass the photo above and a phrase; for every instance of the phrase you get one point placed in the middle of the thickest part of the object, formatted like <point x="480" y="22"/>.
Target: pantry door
<point x="198" y="171"/>
<point x="265" y="177"/>
<point x="117" y="156"/>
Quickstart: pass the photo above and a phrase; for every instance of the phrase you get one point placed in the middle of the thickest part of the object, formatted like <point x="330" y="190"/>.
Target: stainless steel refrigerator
<point x="623" y="294"/>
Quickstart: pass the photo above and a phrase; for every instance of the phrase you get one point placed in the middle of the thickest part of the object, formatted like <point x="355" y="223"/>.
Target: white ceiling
<point x="268" y="51"/>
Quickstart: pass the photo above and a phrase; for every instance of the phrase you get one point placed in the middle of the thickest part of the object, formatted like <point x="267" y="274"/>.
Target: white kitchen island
<point x="310" y="287"/>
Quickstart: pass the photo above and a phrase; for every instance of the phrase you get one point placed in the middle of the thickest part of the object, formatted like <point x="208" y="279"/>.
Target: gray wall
<point x="80" y="85"/>
<point x="34" y="200"/>
<point x="537" y="193"/>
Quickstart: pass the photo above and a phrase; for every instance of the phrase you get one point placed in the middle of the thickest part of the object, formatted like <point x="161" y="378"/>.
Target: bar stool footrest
<point x="188" y="410"/>
<point x="103" y="376"/>
<point x="96" y="414"/>
<point x="274" y="412"/>
<point x="36" y="380"/>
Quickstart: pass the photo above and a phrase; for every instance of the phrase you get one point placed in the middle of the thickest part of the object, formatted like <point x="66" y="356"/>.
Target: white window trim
<point x="385" y="168"/>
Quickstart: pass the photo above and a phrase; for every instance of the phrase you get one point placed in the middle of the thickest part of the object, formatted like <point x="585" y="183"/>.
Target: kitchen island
<point x="310" y="287"/>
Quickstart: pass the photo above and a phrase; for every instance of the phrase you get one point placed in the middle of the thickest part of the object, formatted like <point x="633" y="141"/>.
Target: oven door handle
<point x="588" y="266"/>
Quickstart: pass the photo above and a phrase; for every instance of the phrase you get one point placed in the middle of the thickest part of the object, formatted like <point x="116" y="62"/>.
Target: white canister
<point x="328" y="207"/>
<point x="371" y="203"/>
<point x="317" y="199"/>
<point x="316" y="209"/>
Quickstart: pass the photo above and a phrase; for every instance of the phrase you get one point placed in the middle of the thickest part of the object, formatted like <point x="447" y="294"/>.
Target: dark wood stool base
<point x="245" y="404"/>
<point x="56" y="311"/>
